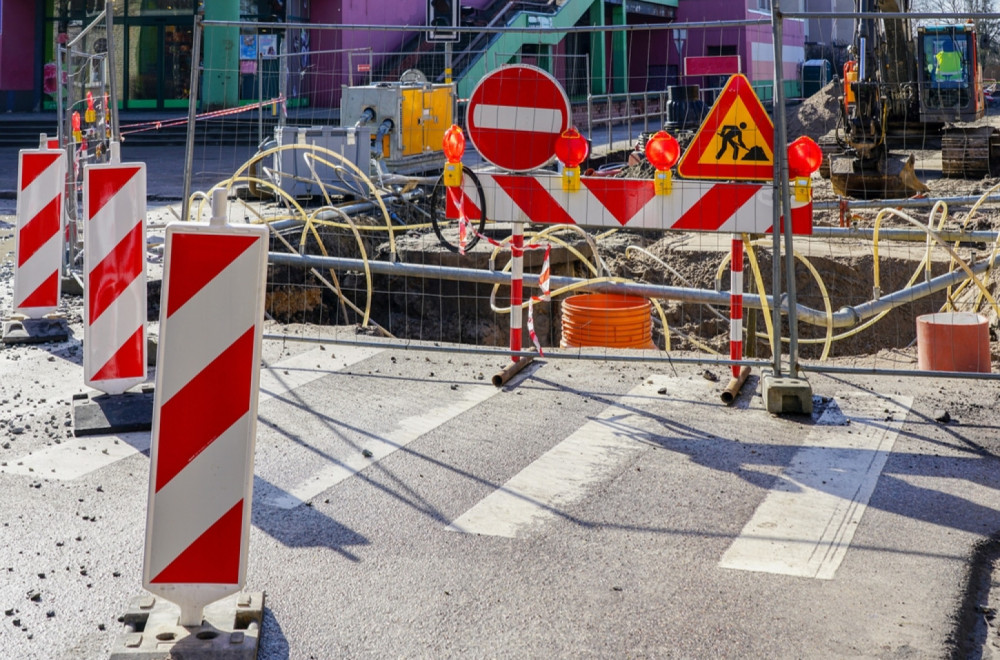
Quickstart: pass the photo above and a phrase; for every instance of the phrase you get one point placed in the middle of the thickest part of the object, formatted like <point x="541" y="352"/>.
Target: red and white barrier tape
<point x="516" y="252"/>
<point x="180" y="121"/>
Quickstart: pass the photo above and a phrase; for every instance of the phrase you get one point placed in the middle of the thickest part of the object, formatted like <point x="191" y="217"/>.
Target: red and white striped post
<point x="736" y="304"/>
<point x="114" y="263"/>
<point x="41" y="179"/>
<point x="516" y="288"/>
<point x="205" y="411"/>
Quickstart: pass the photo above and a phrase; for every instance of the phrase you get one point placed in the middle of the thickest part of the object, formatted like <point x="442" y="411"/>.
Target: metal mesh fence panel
<point x="334" y="135"/>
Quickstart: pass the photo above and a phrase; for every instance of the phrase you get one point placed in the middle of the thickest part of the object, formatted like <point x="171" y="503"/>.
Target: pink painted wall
<point x="753" y="42"/>
<point x="17" y="46"/>
<point x="363" y="12"/>
<point x="649" y="55"/>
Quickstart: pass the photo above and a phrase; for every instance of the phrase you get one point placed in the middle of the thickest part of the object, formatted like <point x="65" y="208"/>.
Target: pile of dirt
<point x="816" y="116"/>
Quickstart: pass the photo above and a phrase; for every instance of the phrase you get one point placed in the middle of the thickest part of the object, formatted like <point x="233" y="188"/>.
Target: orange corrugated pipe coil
<point x="608" y="320"/>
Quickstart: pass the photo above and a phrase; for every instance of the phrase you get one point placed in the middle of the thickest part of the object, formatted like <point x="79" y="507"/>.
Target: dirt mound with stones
<point x="816" y="116"/>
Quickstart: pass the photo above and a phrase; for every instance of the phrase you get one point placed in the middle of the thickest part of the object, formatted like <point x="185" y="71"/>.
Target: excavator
<point x="918" y="89"/>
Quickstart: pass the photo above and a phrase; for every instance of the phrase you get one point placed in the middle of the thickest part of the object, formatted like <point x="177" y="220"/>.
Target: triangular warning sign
<point x="736" y="140"/>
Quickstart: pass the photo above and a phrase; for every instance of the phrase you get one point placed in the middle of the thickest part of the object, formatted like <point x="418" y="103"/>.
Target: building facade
<point x="752" y="44"/>
<point x="154" y="40"/>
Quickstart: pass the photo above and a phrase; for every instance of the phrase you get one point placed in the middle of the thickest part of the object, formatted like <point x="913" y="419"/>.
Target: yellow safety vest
<point x="949" y="65"/>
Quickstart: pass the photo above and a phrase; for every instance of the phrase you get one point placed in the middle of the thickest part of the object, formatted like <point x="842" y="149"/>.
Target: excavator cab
<point x="949" y="79"/>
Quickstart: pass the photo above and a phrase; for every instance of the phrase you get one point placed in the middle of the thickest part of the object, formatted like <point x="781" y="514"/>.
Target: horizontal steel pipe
<point x="903" y="234"/>
<point x="842" y="318"/>
<point x="908" y="203"/>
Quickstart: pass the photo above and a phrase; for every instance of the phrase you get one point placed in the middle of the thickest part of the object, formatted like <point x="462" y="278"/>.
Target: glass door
<point x="177" y="41"/>
<point x="159" y="65"/>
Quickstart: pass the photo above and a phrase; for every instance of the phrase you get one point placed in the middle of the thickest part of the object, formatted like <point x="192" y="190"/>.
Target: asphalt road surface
<point x="405" y="507"/>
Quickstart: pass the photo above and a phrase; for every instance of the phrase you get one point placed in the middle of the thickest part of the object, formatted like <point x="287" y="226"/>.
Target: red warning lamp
<point x="454" y="147"/>
<point x="662" y="150"/>
<point x="454" y="144"/>
<point x="77" y="131"/>
<point x="804" y="157"/>
<point x="91" y="114"/>
<point x="571" y="148"/>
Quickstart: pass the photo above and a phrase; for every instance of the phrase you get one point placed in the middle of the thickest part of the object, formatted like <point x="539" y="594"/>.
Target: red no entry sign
<point x="515" y="115"/>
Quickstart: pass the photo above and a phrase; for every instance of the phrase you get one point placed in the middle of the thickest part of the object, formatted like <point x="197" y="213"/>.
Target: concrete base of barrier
<point x="101" y="414"/>
<point x="786" y="395"/>
<point x="72" y="284"/>
<point x="35" y="331"/>
<point x="230" y="630"/>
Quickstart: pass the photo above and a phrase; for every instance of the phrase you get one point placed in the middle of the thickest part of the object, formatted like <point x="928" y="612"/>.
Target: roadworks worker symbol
<point x="736" y="140"/>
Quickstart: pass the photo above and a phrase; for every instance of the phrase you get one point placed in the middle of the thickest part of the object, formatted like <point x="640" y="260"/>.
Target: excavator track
<point x="969" y="151"/>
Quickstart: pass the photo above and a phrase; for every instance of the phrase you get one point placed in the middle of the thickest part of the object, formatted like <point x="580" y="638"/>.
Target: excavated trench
<point x="448" y="311"/>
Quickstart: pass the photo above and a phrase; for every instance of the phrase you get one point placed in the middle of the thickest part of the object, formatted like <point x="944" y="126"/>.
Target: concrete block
<point x="230" y="630"/>
<point x="35" y="331"/>
<point x="786" y="394"/>
<point x="121" y="413"/>
<point x="72" y="284"/>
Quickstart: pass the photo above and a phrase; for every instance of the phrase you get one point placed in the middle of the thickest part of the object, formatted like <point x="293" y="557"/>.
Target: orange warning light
<point x="77" y="131"/>
<point x="804" y="157"/>
<point x="662" y="150"/>
<point x="454" y="144"/>
<point x="571" y="148"/>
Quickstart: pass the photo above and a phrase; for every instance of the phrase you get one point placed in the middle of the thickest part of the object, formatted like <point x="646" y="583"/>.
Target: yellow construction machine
<point x="919" y="89"/>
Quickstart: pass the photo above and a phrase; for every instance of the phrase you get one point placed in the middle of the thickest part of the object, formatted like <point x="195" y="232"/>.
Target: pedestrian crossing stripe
<point x="736" y="140"/>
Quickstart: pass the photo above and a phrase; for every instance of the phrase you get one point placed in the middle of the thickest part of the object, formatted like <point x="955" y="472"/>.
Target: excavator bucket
<point x="892" y="178"/>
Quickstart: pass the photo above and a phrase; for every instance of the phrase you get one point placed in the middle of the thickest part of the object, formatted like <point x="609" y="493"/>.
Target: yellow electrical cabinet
<point x="427" y="114"/>
<point x="408" y="118"/>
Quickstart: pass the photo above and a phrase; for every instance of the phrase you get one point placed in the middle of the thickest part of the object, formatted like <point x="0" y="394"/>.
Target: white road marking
<point x="806" y="523"/>
<point x="77" y="457"/>
<point x="568" y="472"/>
<point x="302" y="369"/>
<point x="406" y="431"/>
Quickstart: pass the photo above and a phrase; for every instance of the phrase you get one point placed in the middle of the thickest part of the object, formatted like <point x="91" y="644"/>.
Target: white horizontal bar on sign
<point x="806" y="523"/>
<point x="517" y="118"/>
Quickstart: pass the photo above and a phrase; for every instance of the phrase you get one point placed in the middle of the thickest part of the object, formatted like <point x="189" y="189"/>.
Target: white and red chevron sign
<point x="205" y="413"/>
<point x="114" y="261"/>
<point x="633" y="203"/>
<point x="41" y="179"/>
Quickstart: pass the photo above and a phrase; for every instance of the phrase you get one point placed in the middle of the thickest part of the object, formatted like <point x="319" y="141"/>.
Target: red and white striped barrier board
<point x="205" y="413"/>
<point x="114" y="263"/>
<point x="41" y="179"/>
<point x="608" y="202"/>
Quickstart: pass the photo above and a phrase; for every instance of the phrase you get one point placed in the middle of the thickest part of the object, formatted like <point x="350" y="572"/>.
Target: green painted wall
<point x="221" y="48"/>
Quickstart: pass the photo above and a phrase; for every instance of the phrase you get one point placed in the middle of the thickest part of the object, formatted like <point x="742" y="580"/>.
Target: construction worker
<point x="949" y="63"/>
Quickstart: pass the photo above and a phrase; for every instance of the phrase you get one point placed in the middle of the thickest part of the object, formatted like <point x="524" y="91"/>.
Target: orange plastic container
<point x="609" y="320"/>
<point x="953" y="341"/>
